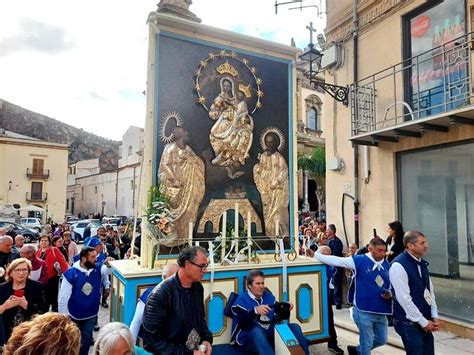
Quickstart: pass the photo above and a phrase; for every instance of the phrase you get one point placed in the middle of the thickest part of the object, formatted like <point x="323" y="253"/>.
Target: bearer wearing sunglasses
<point x="173" y="321"/>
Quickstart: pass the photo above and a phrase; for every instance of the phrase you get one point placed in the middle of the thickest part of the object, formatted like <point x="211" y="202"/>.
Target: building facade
<point x="309" y="135"/>
<point x="91" y="192"/>
<point x="410" y="119"/>
<point x="33" y="174"/>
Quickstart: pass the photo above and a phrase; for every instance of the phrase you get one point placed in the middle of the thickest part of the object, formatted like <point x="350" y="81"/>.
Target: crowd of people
<point x="57" y="276"/>
<point x="388" y="282"/>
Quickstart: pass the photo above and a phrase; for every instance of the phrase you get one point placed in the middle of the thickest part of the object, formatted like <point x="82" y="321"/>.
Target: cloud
<point x="94" y="72"/>
<point x="36" y="36"/>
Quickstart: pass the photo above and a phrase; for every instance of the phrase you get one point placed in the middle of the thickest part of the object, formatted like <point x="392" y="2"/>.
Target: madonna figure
<point x="232" y="134"/>
<point x="271" y="178"/>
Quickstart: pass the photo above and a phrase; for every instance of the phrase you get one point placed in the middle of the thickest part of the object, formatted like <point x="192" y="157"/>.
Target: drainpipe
<point x="355" y="40"/>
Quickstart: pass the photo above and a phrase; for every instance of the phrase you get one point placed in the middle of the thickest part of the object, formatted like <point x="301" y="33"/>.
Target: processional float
<point x="218" y="170"/>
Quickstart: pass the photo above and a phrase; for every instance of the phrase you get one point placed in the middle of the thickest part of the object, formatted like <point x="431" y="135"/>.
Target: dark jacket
<point x="172" y="311"/>
<point x="36" y="304"/>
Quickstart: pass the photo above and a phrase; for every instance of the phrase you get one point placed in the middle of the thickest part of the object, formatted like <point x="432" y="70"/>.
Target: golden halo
<point x="277" y="132"/>
<point x="231" y="55"/>
<point x="176" y="116"/>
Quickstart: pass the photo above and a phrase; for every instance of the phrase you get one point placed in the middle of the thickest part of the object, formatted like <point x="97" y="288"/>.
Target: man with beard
<point x="80" y="294"/>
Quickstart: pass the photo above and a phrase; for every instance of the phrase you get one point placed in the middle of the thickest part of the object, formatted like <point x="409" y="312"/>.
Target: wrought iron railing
<point x="433" y="82"/>
<point x="36" y="197"/>
<point x="37" y="173"/>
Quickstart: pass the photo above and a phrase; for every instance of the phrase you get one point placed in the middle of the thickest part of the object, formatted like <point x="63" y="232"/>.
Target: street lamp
<point x="313" y="56"/>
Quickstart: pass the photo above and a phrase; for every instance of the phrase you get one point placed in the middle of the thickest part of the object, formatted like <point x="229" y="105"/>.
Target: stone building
<point x="33" y="175"/>
<point x="108" y="193"/>
<point x="405" y="145"/>
<point x="309" y="134"/>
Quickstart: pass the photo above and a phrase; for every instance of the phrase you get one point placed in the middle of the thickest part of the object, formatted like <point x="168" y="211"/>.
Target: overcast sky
<point x="84" y="62"/>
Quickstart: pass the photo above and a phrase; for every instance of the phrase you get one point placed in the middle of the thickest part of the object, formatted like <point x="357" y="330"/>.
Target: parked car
<point x="32" y="223"/>
<point x="80" y="226"/>
<point x="71" y="219"/>
<point x="114" y="222"/>
<point x="14" y="228"/>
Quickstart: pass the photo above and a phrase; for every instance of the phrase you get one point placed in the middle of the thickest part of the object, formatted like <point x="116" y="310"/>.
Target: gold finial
<point x="226" y="68"/>
<point x="245" y="90"/>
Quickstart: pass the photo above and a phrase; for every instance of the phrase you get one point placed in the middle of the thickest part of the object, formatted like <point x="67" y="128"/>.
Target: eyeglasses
<point x="202" y="267"/>
<point x="19" y="271"/>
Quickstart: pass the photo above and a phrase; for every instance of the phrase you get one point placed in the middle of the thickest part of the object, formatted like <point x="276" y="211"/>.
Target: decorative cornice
<point x="370" y="12"/>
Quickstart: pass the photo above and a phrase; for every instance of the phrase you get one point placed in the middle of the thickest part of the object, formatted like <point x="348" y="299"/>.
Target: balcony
<point x="308" y="136"/>
<point x="35" y="197"/>
<point x="38" y="174"/>
<point x="430" y="91"/>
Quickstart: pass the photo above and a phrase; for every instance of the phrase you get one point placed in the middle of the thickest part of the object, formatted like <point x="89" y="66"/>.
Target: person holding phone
<point x="372" y="297"/>
<point x="20" y="297"/>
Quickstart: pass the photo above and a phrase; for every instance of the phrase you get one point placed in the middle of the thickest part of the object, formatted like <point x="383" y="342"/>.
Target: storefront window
<point x="436" y="189"/>
<point x="437" y="77"/>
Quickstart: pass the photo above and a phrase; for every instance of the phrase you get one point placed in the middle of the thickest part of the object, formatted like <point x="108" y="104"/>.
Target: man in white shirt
<point x="415" y="311"/>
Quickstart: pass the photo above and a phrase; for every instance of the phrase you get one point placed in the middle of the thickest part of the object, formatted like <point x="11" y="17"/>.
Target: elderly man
<point x="7" y="254"/>
<point x="137" y="321"/>
<point x="415" y="313"/>
<point x="174" y="319"/>
<point x="19" y="242"/>
<point x="254" y="318"/>
<point x="3" y="232"/>
<point x="39" y="268"/>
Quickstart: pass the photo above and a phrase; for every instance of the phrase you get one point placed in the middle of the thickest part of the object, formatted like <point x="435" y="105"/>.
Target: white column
<point x="224" y="231"/>
<point x="236" y="227"/>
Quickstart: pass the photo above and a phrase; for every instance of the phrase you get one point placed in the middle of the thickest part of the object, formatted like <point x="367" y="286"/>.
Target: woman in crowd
<point x="56" y="266"/>
<point x="394" y="240"/>
<point x="58" y="242"/>
<point x="70" y="246"/>
<point x="20" y="297"/>
<point x="50" y="333"/>
<point x="115" y="338"/>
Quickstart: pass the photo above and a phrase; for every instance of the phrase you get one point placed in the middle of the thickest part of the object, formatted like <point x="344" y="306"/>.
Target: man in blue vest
<point x="415" y="312"/>
<point x="253" y="318"/>
<point x="80" y="294"/>
<point x="372" y="298"/>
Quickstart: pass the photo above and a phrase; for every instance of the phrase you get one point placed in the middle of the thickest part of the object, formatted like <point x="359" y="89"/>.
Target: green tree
<point x="314" y="165"/>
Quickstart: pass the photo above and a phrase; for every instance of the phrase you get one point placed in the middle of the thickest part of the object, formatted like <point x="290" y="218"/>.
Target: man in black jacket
<point x="173" y="322"/>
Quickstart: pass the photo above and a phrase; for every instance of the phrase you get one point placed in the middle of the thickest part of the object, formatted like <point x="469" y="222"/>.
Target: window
<point x="313" y="112"/>
<point x="439" y="202"/>
<point x="130" y="149"/>
<point x="36" y="190"/>
<point x="312" y="119"/>
<point x="82" y="193"/>
<point x="38" y="166"/>
<point x="437" y="79"/>
<point x="67" y="204"/>
<point x="95" y="189"/>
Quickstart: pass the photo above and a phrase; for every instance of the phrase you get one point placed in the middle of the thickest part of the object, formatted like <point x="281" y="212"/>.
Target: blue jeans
<point x="258" y="342"/>
<point x="86" y="327"/>
<point x="373" y="330"/>
<point x="415" y="340"/>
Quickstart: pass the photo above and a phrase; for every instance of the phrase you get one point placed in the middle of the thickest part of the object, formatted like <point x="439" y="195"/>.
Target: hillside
<point x="83" y="145"/>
